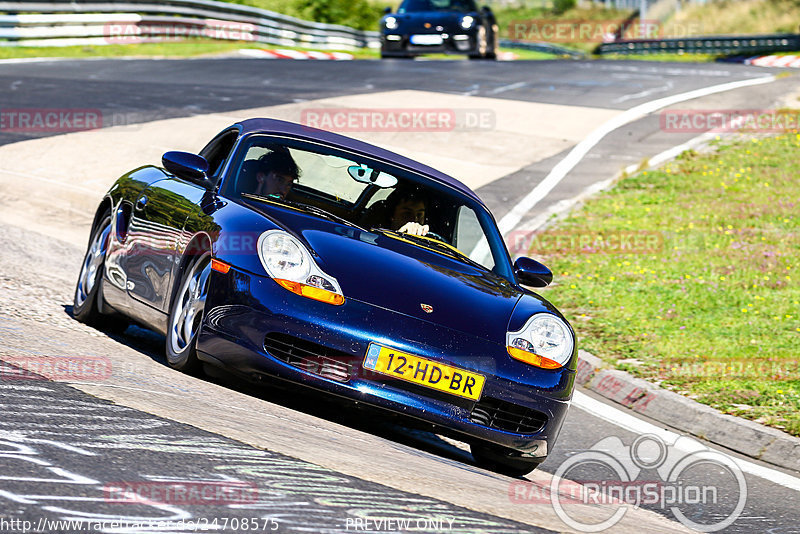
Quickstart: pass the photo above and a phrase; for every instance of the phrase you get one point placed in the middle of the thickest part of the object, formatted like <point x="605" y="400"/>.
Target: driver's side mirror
<point x="530" y="272"/>
<point x="387" y="10"/>
<point x="188" y="166"/>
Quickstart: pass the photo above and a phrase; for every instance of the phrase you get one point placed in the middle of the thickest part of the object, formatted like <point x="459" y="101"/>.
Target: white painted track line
<point x="560" y="171"/>
<point x="626" y="420"/>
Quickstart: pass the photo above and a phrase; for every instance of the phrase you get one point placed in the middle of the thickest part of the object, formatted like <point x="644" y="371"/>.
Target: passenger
<point x="277" y="171"/>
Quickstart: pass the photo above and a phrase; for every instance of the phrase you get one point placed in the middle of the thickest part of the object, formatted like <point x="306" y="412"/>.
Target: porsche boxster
<point x="286" y="252"/>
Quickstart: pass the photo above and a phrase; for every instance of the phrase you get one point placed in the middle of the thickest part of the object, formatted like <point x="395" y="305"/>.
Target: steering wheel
<point x="435" y="236"/>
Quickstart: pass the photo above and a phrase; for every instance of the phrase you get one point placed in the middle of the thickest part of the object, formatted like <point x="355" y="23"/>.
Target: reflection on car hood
<point x="447" y="19"/>
<point x="396" y="274"/>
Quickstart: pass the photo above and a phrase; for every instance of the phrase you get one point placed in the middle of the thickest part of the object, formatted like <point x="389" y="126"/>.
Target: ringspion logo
<point x="702" y="488"/>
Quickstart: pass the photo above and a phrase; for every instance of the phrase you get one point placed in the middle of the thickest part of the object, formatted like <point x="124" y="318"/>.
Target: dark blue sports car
<point x="439" y="26"/>
<point x="290" y="252"/>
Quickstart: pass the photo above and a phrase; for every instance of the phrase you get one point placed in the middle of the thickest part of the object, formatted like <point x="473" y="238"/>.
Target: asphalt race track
<point x="302" y="464"/>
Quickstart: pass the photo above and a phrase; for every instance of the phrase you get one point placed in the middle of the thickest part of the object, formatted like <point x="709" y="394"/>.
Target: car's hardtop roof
<point x="299" y="131"/>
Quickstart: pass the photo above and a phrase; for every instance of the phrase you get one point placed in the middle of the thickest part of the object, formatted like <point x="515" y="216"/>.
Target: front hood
<point x="396" y="274"/>
<point x="415" y="22"/>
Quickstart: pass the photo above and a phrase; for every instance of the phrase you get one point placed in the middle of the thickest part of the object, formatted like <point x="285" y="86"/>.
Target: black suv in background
<point x="439" y="26"/>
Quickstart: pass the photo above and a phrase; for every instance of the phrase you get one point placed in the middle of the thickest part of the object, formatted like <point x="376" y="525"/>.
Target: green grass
<point x="714" y="311"/>
<point x="528" y="54"/>
<point x="735" y="17"/>
<point x="361" y="14"/>
<point x="188" y="48"/>
<point x="192" y="47"/>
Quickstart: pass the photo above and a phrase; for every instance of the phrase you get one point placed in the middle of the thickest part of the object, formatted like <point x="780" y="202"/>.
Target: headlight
<point x="467" y="21"/>
<point x="545" y="341"/>
<point x="290" y="264"/>
<point x="390" y="22"/>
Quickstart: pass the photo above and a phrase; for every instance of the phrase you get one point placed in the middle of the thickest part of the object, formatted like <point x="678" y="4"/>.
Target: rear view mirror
<point x="188" y="166"/>
<point x="530" y="272"/>
<point x="365" y="175"/>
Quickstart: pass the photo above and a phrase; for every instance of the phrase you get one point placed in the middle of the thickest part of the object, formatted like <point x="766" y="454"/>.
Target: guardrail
<point x="100" y="22"/>
<point x="541" y="46"/>
<point x="716" y="45"/>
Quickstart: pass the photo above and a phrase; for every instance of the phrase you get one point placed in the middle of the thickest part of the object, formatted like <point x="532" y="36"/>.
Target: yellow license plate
<point x="435" y="375"/>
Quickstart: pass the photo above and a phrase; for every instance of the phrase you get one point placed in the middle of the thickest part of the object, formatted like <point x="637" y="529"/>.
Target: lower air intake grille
<point x="310" y="356"/>
<point x="506" y="416"/>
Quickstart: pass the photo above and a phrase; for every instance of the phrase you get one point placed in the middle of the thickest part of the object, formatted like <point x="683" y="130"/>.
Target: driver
<point x="406" y="211"/>
<point x="277" y="171"/>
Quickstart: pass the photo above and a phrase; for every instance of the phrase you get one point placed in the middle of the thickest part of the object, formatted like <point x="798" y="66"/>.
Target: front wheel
<point x="481" y="44"/>
<point x="502" y="460"/>
<point x="186" y="314"/>
<point x="84" y="304"/>
<point x="491" y="52"/>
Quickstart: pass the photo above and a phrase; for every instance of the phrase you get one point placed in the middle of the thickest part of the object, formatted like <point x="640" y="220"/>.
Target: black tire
<point x="85" y="305"/>
<point x="186" y="314"/>
<point x="481" y="45"/>
<point x="501" y="460"/>
<point x="491" y="52"/>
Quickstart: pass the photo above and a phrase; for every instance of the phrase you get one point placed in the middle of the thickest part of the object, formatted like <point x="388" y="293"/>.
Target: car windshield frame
<point x="496" y="245"/>
<point x="429" y="6"/>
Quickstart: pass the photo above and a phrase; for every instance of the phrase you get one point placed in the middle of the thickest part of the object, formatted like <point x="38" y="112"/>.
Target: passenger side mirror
<point x="387" y="10"/>
<point x="530" y="272"/>
<point x="188" y="166"/>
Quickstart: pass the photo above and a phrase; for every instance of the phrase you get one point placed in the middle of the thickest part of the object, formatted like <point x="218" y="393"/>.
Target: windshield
<point x="412" y="6"/>
<point x="367" y="194"/>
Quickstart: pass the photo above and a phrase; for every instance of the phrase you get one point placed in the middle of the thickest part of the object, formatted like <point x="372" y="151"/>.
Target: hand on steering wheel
<point x="414" y="228"/>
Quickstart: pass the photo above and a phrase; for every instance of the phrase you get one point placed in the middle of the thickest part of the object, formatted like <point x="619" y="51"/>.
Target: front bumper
<point x="258" y="328"/>
<point x="395" y="44"/>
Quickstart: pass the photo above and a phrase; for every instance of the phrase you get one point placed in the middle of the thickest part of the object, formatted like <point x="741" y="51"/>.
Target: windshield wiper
<point x="435" y="243"/>
<point x="304" y="207"/>
<point x="328" y="215"/>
